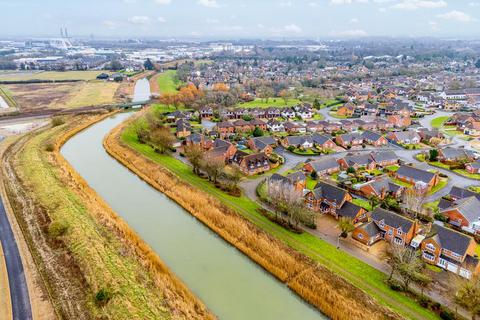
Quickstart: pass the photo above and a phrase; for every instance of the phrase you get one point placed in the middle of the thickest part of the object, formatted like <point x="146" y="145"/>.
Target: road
<point x="21" y="309"/>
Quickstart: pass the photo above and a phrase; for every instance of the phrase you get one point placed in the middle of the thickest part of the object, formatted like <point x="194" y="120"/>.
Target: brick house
<point x="349" y="140"/>
<point x="357" y="161"/>
<point x="374" y="139"/>
<point x="296" y="179"/>
<point x="464" y="213"/>
<point x="423" y="180"/>
<point x="394" y="227"/>
<point x="251" y="164"/>
<point x="262" y="144"/>
<point x="322" y="166"/>
<point x="451" y="250"/>
<point x="399" y="121"/>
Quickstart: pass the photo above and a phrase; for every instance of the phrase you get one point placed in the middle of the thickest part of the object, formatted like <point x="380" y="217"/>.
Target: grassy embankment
<point x="438" y="122"/>
<point x="355" y="271"/>
<point x="164" y="82"/>
<point x="81" y="247"/>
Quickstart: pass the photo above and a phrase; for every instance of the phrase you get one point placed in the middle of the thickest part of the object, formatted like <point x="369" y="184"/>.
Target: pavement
<point x="21" y="309"/>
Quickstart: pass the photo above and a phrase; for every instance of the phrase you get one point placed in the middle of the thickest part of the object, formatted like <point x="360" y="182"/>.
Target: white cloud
<point x="292" y="28"/>
<point x="139" y="20"/>
<point x="434" y="26"/>
<point x="286" y="4"/>
<point x="163" y="2"/>
<point x="350" y="33"/>
<point x="212" y="21"/>
<point x="382" y="9"/>
<point x="314" y="4"/>
<point x="342" y="2"/>
<point x="110" y="24"/>
<point x="419" y="4"/>
<point x="455" y="15"/>
<point x="161" y="19"/>
<point x="474" y="4"/>
<point x="208" y="3"/>
<point x="130" y="1"/>
<point x="354" y="20"/>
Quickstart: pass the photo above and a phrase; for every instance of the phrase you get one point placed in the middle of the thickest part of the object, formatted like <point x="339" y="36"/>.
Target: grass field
<point x="167" y="82"/>
<point x="355" y="271"/>
<point x="362" y="203"/>
<point x="272" y="102"/>
<point x="442" y="184"/>
<point x="62" y="95"/>
<point x="438" y="122"/>
<point x="467" y="174"/>
<point x="49" y="75"/>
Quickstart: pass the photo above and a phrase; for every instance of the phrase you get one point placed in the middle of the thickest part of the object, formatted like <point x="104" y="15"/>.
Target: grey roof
<point x="404" y="135"/>
<point x="461" y="193"/>
<point x="392" y="219"/>
<point x="371" y="136"/>
<point x="349" y="210"/>
<point x="348" y="137"/>
<point x="384" y="184"/>
<point x="450" y="239"/>
<point x="324" y="163"/>
<point x="456" y="153"/>
<point x="444" y="203"/>
<point x="298" y="140"/>
<point x="320" y="138"/>
<point x="415" y="174"/>
<point x="370" y="228"/>
<point x="329" y="192"/>
<point x="384" y="156"/>
<point x="468" y="207"/>
<point x="359" y="159"/>
<point x="296" y="176"/>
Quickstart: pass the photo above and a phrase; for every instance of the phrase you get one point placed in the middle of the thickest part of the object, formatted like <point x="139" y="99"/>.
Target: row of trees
<point x="289" y="202"/>
<point x="214" y="167"/>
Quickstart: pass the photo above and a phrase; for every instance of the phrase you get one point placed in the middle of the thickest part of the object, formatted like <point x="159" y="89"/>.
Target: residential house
<point x="295" y="179"/>
<point x="206" y="112"/>
<point x="346" y="110"/>
<point x="422" y="179"/>
<point x="473" y="167"/>
<point x="251" y="164"/>
<point x="455" y="155"/>
<point x="275" y="126"/>
<point x="262" y="144"/>
<point x="349" y="140"/>
<point x="222" y="149"/>
<point x="288" y="113"/>
<point x="357" y="161"/>
<point x="184" y="129"/>
<point x="294" y="127"/>
<point x="314" y="126"/>
<point x="380" y="188"/>
<point x="394" y="227"/>
<point x="304" y="113"/>
<point x="464" y="213"/>
<point x="374" y="139"/>
<point x="384" y="158"/>
<point x="451" y="250"/>
<point x="367" y="233"/>
<point x="399" y="121"/>
<point x="323" y="142"/>
<point x="322" y="166"/>
<point x="404" y="137"/>
<point x="304" y="142"/>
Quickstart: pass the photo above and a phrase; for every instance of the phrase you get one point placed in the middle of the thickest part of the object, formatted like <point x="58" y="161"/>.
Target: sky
<point x="234" y="19"/>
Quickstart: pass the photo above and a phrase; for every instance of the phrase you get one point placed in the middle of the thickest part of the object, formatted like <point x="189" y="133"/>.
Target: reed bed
<point x="103" y="250"/>
<point x="330" y="293"/>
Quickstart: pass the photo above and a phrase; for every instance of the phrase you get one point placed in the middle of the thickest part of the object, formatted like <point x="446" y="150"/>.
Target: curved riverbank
<point x="95" y="249"/>
<point x="328" y="292"/>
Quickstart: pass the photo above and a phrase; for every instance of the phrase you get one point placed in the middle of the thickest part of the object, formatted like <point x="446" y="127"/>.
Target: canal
<point x="228" y="282"/>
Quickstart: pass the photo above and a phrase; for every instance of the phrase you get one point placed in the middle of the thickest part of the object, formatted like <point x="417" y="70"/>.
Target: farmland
<point x="48" y="75"/>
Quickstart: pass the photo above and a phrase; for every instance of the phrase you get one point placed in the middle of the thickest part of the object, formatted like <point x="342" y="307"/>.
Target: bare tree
<point x="195" y="154"/>
<point x="406" y="263"/>
<point x="162" y="139"/>
<point x="468" y="295"/>
<point x="213" y="166"/>
<point x="413" y="200"/>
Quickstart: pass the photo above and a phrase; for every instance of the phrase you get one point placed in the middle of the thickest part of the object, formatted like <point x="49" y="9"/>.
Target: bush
<point x="57" y="229"/>
<point x="447" y="315"/>
<point x="442" y="175"/>
<point x="103" y="296"/>
<point x="57" y="121"/>
<point x="49" y="147"/>
<point x="440" y="217"/>
<point x="291" y="148"/>
<point x="395" y="285"/>
<point x="424" y="301"/>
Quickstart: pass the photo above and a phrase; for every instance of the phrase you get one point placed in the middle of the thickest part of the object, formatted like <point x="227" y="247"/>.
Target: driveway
<point x="21" y="309"/>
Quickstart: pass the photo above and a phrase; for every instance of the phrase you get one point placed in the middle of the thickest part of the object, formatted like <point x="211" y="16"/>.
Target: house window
<point x="428" y="256"/>
<point x="390" y="232"/>
<point x="360" y="236"/>
<point x="430" y="247"/>
<point x="399" y="232"/>
<point x="397" y="240"/>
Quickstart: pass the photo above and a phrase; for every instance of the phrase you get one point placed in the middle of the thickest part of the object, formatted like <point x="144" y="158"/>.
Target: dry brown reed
<point x="327" y="291"/>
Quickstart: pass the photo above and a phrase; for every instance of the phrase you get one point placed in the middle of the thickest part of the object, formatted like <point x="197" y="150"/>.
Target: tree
<point x="433" y="154"/>
<point x="257" y="132"/>
<point x="220" y="87"/>
<point x="213" y="166"/>
<point x="350" y="170"/>
<point x="194" y="154"/>
<point x="285" y="94"/>
<point x="406" y="263"/>
<point x="148" y="64"/>
<point x="477" y="63"/>
<point x="232" y="176"/>
<point x="115" y="65"/>
<point x="373" y="201"/>
<point x="346" y="226"/>
<point x="316" y="103"/>
<point x="162" y="139"/>
<point x="413" y="200"/>
<point x="468" y="295"/>
<point x="265" y="93"/>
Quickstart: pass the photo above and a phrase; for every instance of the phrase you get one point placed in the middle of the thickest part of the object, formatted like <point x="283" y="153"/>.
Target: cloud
<point x="130" y="1"/>
<point x="455" y="15"/>
<point x="208" y="3"/>
<point x="343" y="2"/>
<point x="419" y="4"/>
<point x="142" y="20"/>
<point x="163" y="2"/>
<point x="354" y="33"/>
<point x="161" y="19"/>
<point x="292" y="28"/>
<point x="286" y="4"/>
<point x="212" y="21"/>
<point x="434" y="26"/>
<point x="474" y="4"/>
<point x="110" y="24"/>
<point x="353" y="20"/>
